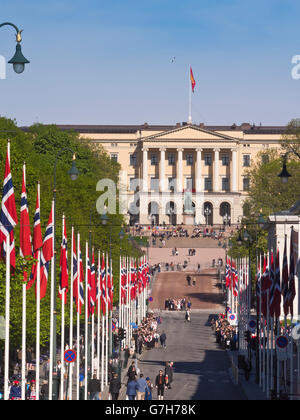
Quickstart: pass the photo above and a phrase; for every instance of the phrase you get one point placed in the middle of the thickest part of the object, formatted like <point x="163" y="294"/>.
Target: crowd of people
<point x="226" y="334"/>
<point x="172" y="304"/>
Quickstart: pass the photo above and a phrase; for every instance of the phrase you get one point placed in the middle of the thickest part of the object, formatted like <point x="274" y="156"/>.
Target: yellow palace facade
<point x="191" y="174"/>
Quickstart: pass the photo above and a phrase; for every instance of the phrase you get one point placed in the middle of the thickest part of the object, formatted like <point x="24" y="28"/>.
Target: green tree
<point x="39" y="147"/>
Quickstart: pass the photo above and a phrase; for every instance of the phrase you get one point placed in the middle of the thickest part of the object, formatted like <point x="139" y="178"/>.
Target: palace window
<point x="207" y="184"/>
<point x="171" y="184"/>
<point x="154" y="159"/>
<point x="189" y="184"/>
<point x="225" y="159"/>
<point x="265" y="159"/>
<point x="246" y="183"/>
<point x="133" y="184"/>
<point x="114" y="156"/>
<point x="154" y="184"/>
<point x="246" y="161"/>
<point x="171" y="159"/>
<point x="133" y="159"/>
<point x="207" y="159"/>
<point x="189" y="159"/>
<point x="225" y="184"/>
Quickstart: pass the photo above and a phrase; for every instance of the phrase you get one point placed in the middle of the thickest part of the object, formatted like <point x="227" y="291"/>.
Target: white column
<point x="145" y="170"/>
<point x="199" y="184"/>
<point x="162" y="177"/>
<point x="179" y="171"/>
<point x="234" y="171"/>
<point x="216" y="169"/>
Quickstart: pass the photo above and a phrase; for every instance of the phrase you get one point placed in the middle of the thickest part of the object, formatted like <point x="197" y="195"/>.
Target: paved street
<point x="206" y="294"/>
<point x="201" y="368"/>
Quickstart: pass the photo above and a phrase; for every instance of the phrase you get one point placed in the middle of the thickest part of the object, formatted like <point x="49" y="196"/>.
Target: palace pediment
<point x="189" y="133"/>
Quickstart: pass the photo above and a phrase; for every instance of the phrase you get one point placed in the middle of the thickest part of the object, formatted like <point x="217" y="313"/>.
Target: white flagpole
<point x="106" y="324"/>
<point x="23" y="340"/>
<point x="62" y="329"/>
<point x="102" y="344"/>
<point x="71" y="315"/>
<point x="38" y="322"/>
<point x="78" y="318"/>
<point x="93" y="324"/>
<point x="51" y="322"/>
<point x="98" y="316"/>
<point x="120" y="298"/>
<point x="86" y="325"/>
<point x="7" y="320"/>
<point x="24" y="324"/>
<point x="190" y="97"/>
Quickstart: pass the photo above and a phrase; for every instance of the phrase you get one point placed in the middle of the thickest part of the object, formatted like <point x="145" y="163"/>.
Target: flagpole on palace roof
<point x="190" y="98"/>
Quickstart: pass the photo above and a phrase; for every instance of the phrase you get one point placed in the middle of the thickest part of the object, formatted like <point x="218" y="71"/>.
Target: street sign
<point x="113" y="326"/>
<point x="282" y="342"/>
<point x="150" y="299"/>
<point x="232" y="319"/>
<point x="252" y="325"/>
<point x="70" y="356"/>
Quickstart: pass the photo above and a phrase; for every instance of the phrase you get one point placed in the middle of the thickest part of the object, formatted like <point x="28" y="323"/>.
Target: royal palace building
<point x="185" y="173"/>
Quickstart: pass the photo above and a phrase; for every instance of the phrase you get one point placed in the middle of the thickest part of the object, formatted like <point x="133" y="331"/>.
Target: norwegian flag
<point x="92" y="288"/>
<point x="275" y="307"/>
<point x="133" y="282"/>
<point x="272" y="285"/>
<point x="37" y="240"/>
<point x="8" y="214"/>
<point x="63" y="263"/>
<point x="265" y="286"/>
<point x="103" y="286"/>
<point x="228" y="273"/>
<point x="123" y="279"/>
<point x="234" y="274"/>
<point x="110" y="288"/>
<point x="46" y="254"/>
<point x="285" y="280"/>
<point x="291" y="288"/>
<point x="258" y="287"/>
<point x="140" y="278"/>
<point x="25" y="236"/>
<point x="80" y="277"/>
<point x="75" y="272"/>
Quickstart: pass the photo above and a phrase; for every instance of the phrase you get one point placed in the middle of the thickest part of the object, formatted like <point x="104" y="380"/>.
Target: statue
<point x="188" y="203"/>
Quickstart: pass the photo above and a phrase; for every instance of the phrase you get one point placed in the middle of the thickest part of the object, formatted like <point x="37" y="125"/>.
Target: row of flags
<point x="279" y="286"/>
<point x="100" y="284"/>
<point x="273" y="286"/>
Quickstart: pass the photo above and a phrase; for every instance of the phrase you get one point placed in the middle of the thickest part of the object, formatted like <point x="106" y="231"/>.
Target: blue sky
<point x="109" y="62"/>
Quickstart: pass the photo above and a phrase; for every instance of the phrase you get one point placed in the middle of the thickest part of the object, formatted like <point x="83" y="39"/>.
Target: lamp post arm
<point x="10" y="24"/>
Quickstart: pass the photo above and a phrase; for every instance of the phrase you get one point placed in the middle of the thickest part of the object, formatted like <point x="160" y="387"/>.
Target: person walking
<point x="187" y="316"/>
<point x="169" y="374"/>
<point x="131" y="390"/>
<point x="141" y="387"/>
<point x="126" y="356"/>
<point x="160" y="384"/>
<point x="94" y="389"/>
<point x="148" y="392"/>
<point x="163" y="339"/>
<point x="114" y="387"/>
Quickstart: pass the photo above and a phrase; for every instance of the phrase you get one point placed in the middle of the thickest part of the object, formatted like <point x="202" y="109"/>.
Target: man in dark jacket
<point x="114" y="387"/>
<point x="169" y="373"/>
<point x="94" y="388"/>
<point x="160" y="384"/>
<point x="163" y="339"/>
<point x="127" y="354"/>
